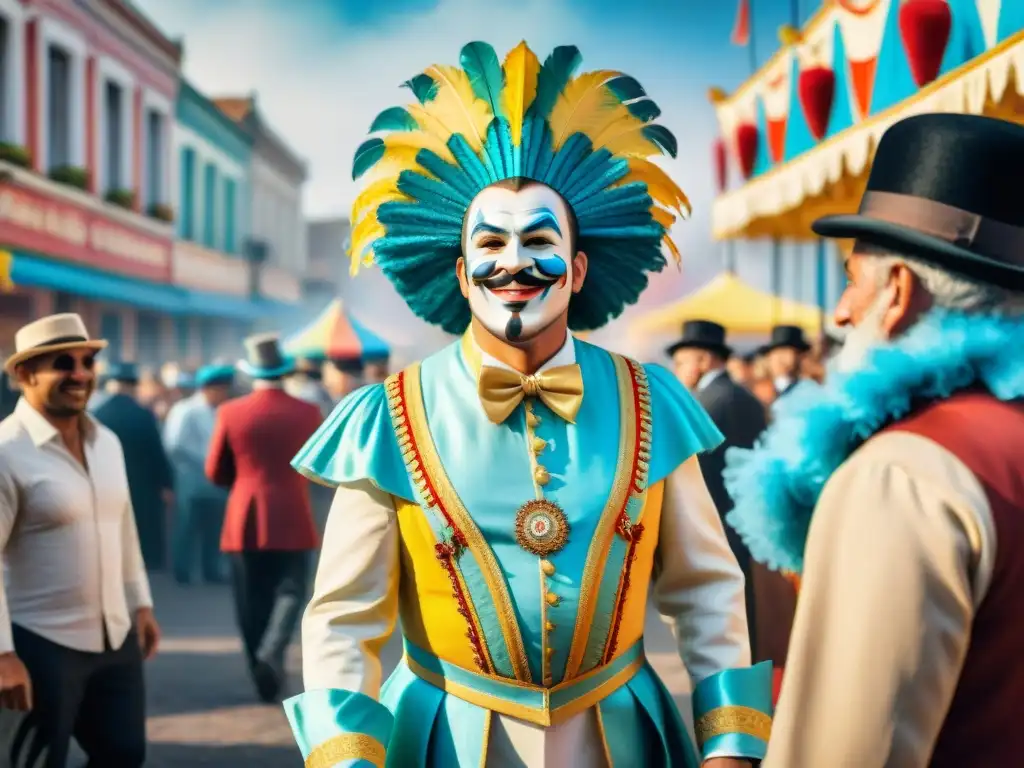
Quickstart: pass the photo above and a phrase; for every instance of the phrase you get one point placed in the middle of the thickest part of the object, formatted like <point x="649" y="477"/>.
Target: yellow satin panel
<point x="634" y="610"/>
<point x="428" y="610"/>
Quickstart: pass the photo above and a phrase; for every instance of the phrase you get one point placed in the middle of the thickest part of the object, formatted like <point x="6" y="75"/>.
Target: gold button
<point x="547" y="567"/>
<point x="550" y="651"/>
<point x="538" y="445"/>
<point x="532" y="419"/>
<point x="548" y="626"/>
<point x="541" y="475"/>
<point x="552" y="598"/>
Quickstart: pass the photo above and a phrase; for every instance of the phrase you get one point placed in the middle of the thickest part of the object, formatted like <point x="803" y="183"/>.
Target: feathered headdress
<point x="586" y="137"/>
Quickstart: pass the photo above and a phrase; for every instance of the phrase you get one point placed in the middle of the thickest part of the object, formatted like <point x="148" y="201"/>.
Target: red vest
<point x="983" y="725"/>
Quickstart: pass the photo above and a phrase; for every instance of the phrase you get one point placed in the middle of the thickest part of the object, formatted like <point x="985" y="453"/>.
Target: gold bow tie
<point x="560" y="389"/>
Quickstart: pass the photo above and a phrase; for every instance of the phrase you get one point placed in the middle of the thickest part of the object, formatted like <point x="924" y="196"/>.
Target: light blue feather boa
<point x="776" y="485"/>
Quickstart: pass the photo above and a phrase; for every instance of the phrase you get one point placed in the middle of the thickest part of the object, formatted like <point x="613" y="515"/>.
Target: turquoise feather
<point x="468" y="161"/>
<point x="554" y="74"/>
<point x="586" y="170"/>
<point x="423" y="88"/>
<point x="394" y="119"/>
<point x="499" y="146"/>
<point x="644" y="110"/>
<point x="534" y="141"/>
<point x="663" y="137"/>
<point x="612" y="172"/>
<point x="485" y="74"/>
<point x="450" y="174"/>
<point x="430" y="191"/>
<point x="627" y="232"/>
<point x="567" y="160"/>
<point x="402" y="212"/>
<point x="368" y="155"/>
<point x="626" y="88"/>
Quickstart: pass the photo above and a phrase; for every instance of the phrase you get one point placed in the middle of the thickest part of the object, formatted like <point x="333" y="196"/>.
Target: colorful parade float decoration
<point x="802" y="130"/>
<point x="336" y="335"/>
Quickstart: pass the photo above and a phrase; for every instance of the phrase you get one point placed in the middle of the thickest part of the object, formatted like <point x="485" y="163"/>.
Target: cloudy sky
<point x="322" y="69"/>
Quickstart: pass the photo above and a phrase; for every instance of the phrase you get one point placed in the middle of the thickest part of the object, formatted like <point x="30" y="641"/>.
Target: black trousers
<point x="97" y="698"/>
<point x="270" y="594"/>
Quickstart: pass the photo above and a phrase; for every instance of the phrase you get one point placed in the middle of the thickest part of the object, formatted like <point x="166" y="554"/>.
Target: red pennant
<point x="741" y="28"/>
<point x="721" y="166"/>
<point x="817" y="88"/>
<point x="746" y="148"/>
<point x="925" y="27"/>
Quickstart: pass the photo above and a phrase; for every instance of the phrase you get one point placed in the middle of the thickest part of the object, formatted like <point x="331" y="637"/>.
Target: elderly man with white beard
<point x="896" y="490"/>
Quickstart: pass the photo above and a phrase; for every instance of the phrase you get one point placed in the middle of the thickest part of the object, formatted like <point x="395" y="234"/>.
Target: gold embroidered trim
<point x="347" y="746"/>
<point x="632" y="530"/>
<point x="634" y="439"/>
<point x="437" y="482"/>
<point x="545" y="715"/>
<point x="722" y="720"/>
<point x="447" y="550"/>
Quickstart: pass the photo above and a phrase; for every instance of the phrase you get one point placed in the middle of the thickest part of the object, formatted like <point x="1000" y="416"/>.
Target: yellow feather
<point x="366" y="231"/>
<point x="663" y="216"/>
<point x="420" y="140"/>
<point x="381" y="191"/>
<point x="521" y="70"/>
<point x="455" y="108"/>
<point x="586" y="106"/>
<point x="673" y="249"/>
<point x="659" y="184"/>
<point x="629" y="142"/>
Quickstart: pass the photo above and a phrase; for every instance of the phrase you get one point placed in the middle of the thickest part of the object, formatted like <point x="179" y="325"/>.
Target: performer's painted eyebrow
<point x="545" y="219"/>
<point x="479" y="225"/>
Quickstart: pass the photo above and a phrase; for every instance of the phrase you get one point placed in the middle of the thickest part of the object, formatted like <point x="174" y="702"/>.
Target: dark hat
<point x="309" y="366"/>
<point x="126" y="373"/>
<point x="702" y="334"/>
<point x="350" y="365"/>
<point x="791" y="336"/>
<point x="945" y="188"/>
<point x="264" y="358"/>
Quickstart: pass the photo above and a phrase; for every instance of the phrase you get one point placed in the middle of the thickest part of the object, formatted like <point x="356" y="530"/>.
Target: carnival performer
<point x="512" y="497"/>
<point x="896" y="487"/>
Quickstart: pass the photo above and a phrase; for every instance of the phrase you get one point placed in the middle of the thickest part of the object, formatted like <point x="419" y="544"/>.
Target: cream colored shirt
<point x="73" y="567"/>
<point x="899" y="557"/>
<point x="354" y="608"/>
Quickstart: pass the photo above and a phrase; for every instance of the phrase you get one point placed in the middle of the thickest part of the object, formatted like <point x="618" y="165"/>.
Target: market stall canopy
<point x="802" y="131"/>
<point x="730" y="302"/>
<point x="337" y="335"/>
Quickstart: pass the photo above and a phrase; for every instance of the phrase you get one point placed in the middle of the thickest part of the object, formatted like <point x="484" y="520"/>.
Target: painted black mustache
<point x="503" y="279"/>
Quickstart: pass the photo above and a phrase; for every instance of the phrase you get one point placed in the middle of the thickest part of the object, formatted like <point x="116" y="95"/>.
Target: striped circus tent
<point x="335" y="334"/>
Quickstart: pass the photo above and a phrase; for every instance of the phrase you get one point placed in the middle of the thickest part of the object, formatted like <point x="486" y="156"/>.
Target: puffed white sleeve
<point x="699" y="586"/>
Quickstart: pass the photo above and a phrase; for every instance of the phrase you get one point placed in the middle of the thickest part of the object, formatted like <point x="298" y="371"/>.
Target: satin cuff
<point x="339" y="729"/>
<point x="732" y="713"/>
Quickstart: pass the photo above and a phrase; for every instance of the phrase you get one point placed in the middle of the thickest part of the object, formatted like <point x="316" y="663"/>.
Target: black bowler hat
<point x="945" y="188"/>
<point x="791" y="336"/>
<point x="350" y="365"/>
<point x="702" y="334"/>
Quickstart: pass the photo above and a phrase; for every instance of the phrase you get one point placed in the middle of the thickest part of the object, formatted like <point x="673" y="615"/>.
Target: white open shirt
<point x="73" y="567"/>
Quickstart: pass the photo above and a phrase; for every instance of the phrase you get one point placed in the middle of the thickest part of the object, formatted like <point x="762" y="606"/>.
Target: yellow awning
<point x="741" y="308"/>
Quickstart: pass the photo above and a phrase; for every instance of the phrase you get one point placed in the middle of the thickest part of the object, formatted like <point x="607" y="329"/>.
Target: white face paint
<point x="518" y="260"/>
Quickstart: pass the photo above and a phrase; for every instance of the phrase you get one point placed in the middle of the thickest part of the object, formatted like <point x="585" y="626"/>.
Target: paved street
<point x="202" y="709"/>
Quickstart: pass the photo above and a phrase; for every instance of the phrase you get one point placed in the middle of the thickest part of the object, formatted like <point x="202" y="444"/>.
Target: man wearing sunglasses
<point x="76" y="617"/>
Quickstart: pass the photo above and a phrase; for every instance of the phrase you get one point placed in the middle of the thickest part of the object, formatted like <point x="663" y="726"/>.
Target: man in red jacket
<point x="268" y="527"/>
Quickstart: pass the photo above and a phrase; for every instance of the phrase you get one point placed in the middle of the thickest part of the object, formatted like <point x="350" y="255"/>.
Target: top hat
<point x="945" y="188"/>
<point x="702" y="334"/>
<point x="791" y="336"/>
<point x="127" y="373"/>
<point x="50" y="334"/>
<point x="264" y="358"/>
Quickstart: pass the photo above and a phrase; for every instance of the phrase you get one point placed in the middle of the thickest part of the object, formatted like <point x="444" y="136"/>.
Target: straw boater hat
<point x="50" y="334"/>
